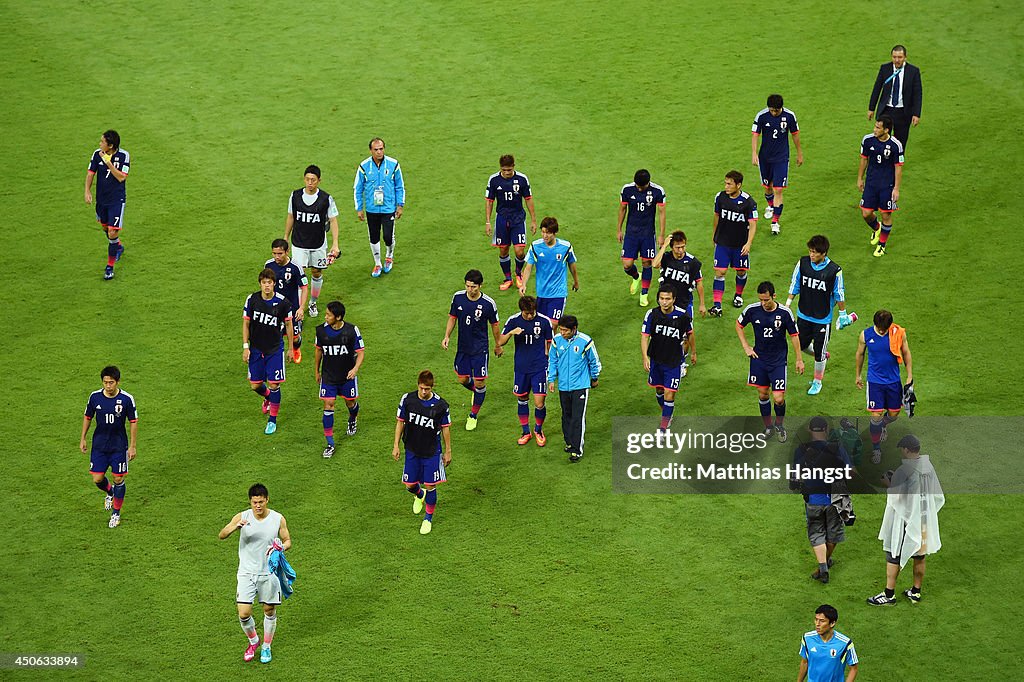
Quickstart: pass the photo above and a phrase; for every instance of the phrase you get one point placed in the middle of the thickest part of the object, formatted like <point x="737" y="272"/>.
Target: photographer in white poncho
<point x="910" y="527"/>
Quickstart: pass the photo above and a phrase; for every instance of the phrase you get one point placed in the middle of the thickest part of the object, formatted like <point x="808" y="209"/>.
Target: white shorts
<point x="252" y="585"/>
<point x="310" y="258"/>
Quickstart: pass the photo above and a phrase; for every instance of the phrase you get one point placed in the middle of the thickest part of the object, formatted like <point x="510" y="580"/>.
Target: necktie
<point x="894" y="97"/>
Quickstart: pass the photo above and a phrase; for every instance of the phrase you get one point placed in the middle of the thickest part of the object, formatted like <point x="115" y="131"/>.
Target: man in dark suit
<point x="897" y="92"/>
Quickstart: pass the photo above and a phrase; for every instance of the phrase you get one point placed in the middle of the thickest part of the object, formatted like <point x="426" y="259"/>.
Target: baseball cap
<point x="818" y="424"/>
<point x="910" y="442"/>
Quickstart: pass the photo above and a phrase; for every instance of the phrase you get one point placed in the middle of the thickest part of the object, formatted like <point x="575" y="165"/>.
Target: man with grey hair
<point x="910" y="526"/>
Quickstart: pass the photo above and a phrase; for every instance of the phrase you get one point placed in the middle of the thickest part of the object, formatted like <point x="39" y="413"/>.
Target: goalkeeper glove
<point x="909" y="399"/>
<point x="845" y="319"/>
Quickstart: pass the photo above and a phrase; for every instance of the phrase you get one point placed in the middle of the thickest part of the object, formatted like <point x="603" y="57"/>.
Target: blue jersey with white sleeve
<point x="532" y="345"/>
<point x="774" y="132"/>
<point x="290" y="279"/>
<point x="473" y="319"/>
<point x="883" y="157"/>
<point x="770" y="331"/>
<point x="508" y="194"/>
<point x="110" y="414"/>
<point x="551" y="264"/>
<point x="641" y="206"/>
<point x="827" y="661"/>
<point x="109" y="190"/>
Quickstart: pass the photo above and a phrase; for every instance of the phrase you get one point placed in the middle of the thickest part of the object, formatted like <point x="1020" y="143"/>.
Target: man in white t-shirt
<point x="258" y="528"/>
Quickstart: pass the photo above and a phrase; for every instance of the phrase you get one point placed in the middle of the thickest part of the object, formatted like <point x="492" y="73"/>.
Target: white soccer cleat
<point x="769" y="212"/>
<point x="115" y="520"/>
<point x="776" y="229"/>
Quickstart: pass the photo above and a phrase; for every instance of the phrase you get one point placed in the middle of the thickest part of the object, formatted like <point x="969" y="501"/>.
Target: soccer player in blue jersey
<point x="818" y="281"/>
<point x="339" y="355"/>
<point x="423" y="421"/>
<point x="886" y="346"/>
<point x="109" y="165"/>
<point x="638" y="204"/>
<point x="769" y="355"/>
<point x="552" y="258"/>
<point x="112" y="448"/>
<point x="825" y="653"/>
<point x="533" y="334"/>
<point x="509" y="188"/>
<point x="293" y="285"/>
<point x="773" y="125"/>
<point x="265" y="319"/>
<point x="472" y="311"/>
<point x="733" y="228"/>
<point x="665" y="338"/>
<point x="881" y="155"/>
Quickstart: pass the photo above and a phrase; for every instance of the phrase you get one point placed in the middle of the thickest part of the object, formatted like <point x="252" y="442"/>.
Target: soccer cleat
<point x="567" y="448"/>
<point x="715" y="311"/>
<point x="876" y="235"/>
<point x="881" y="600"/>
<point x="776" y="229"/>
<point x="313" y="310"/>
<point x="417" y="503"/>
<point x="815" y="388"/>
<point x="768" y="431"/>
<point x="820" y="577"/>
<point x="769" y="211"/>
<point x="351" y="430"/>
<point x="425" y="527"/>
<point x="470" y="423"/>
<point x="266" y="406"/>
<point x="644" y="300"/>
<point x="388" y="264"/>
<point x="271" y="428"/>
<point x="108" y="272"/>
<point x="914" y="597"/>
<point x="108" y="502"/>
<point x="634" y="287"/>
<point x="250" y="652"/>
<point x="265" y="655"/>
<point x="328" y="452"/>
<point x="376" y="271"/>
<point x="297" y="355"/>
<point x="115" y="520"/>
<point x="876" y="456"/>
<point x="506" y="285"/>
<point x="525" y="438"/>
<point x="879" y="251"/>
<point x="542" y="440"/>
<point x="783" y="434"/>
<point x="120" y="250"/>
<point x="737" y="301"/>
<point x="519" y="281"/>
<point x="575" y="457"/>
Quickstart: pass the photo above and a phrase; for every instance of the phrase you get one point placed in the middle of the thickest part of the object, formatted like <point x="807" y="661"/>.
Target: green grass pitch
<point x="535" y="569"/>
